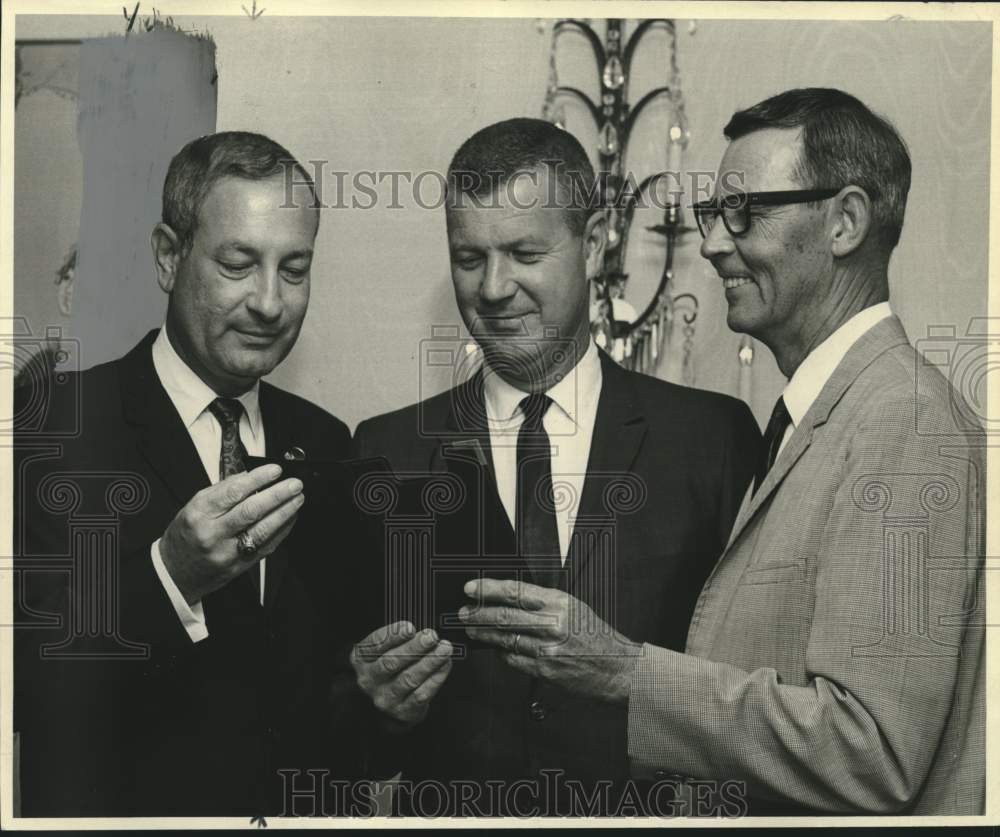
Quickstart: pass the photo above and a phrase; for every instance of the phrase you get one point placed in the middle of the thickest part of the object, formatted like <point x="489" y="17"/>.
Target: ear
<point x="595" y="239"/>
<point x="852" y="220"/>
<point x="166" y="255"/>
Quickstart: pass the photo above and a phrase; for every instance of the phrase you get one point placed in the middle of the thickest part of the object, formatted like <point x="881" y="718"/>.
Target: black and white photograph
<point x="464" y="414"/>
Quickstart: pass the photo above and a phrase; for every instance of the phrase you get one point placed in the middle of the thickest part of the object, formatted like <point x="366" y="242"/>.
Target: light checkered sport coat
<point x="835" y="660"/>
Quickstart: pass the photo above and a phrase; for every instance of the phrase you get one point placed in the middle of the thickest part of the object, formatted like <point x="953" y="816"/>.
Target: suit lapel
<point x="466" y="452"/>
<point x="163" y="439"/>
<point x="883" y="336"/>
<point x="797" y="445"/>
<point x="466" y="430"/>
<point x="619" y="428"/>
<point x="279" y="437"/>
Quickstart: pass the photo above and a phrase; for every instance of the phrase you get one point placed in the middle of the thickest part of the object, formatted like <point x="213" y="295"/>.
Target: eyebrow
<point x="526" y="241"/>
<point x="246" y="249"/>
<point x="517" y="244"/>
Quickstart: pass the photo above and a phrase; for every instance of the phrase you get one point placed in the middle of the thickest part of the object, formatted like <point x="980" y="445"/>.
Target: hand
<point x="552" y="635"/>
<point x="199" y="547"/>
<point x="401" y="671"/>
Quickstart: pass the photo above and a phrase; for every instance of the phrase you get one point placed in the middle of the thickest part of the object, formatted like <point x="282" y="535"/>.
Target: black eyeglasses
<point x="735" y="208"/>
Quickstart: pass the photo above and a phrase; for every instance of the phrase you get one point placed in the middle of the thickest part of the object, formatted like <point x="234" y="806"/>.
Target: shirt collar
<point x="189" y="393"/>
<point x="809" y="379"/>
<point x="572" y="393"/>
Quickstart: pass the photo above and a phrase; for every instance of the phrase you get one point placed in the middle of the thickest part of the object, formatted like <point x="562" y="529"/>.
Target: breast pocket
<point x="775" y="573"/>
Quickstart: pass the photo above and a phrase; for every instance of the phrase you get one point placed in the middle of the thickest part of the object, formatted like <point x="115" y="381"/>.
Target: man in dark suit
<point x="592" y="482"/>
<point x="208" y="659"/>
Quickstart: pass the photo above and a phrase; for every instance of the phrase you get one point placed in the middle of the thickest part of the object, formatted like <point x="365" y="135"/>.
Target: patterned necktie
<point x="535" y="522"/>
<point x="772" y="441"/>
<point x="232" y="455"/>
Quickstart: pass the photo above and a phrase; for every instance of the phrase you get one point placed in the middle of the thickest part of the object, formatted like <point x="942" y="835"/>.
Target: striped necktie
<point x="232" y="455"/>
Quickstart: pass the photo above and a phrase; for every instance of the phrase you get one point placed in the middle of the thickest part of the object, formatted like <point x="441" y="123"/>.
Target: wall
<point x="48" y="173"/>
<point x="141" y="99"/>
<point x="90" y="165"/>
<point x="401" y="94"/>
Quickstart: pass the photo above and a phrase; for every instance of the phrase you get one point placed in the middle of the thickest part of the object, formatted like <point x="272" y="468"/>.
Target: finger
<point x="257" y="506"/>
<point x="264" y="531"/>
<point x="382" y="639"/>
<point x="526" y="646"/>
<point x="415" y="676"/>
<point x="506" y="618"/>
<point x="395" y="660"/>
<point x="231" y="491"/>
<point x="519" y="594"/>
<point x="272" y="543"/>
<point x="268" y="543"/>
<point x="423" y="694"/>
<point x="526" y="665"/>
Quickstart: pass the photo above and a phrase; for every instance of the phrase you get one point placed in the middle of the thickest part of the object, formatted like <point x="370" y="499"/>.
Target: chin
<point x="740" y="322"/>
<point x="253" y="366"/>
<point x="519" y="360"/>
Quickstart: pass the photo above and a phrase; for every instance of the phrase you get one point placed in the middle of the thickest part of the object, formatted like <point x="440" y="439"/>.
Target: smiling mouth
<point x="503" y="320"/>
<point x="730" y="282"/>
<point x="259" y="335"/>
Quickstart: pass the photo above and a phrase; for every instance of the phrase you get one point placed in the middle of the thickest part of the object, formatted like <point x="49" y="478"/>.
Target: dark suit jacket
<point x="182" y="728"/>
<point x="667" y="470"/>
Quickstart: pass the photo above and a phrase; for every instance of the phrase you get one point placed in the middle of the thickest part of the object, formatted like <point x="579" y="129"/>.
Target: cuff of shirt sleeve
<point x="192" y="617"/>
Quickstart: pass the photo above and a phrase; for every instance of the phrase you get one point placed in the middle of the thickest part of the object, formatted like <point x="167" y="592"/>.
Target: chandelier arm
<point x="640" y="105"/>
<point x="591" y="35"/>
<point x="628" y="211"/>
<point x="595" y="111"/>
<point x="636" y="36"/>
<point x="668" y="272"/>
<point x="688" y="318"/>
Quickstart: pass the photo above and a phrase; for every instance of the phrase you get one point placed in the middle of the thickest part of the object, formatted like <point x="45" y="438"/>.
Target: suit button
<point x="537" y="710"/>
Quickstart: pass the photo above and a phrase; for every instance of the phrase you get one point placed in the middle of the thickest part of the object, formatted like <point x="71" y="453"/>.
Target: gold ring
<point x="245" y="544"/>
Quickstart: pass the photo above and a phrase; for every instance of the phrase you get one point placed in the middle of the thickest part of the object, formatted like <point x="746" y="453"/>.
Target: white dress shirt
<point x="569" y="423"/>
<point x="809" y="379"/>
<point x="191" y="396"/>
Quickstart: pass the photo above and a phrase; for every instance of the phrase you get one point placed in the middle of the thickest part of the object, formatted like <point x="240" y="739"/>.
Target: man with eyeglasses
<point x="835" y="659"/>
<point x="846" y="646"/>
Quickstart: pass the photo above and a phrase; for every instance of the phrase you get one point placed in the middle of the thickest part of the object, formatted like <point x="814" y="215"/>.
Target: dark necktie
<point x="772" y="441"/>
<point x="535" y="521"/>
<point x="232" y="455"/>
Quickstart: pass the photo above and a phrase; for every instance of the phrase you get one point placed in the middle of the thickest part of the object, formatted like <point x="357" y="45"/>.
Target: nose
<point x="265" y="299"/>
<point x="718" y="242"/>
<point x="497" y="284"/>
